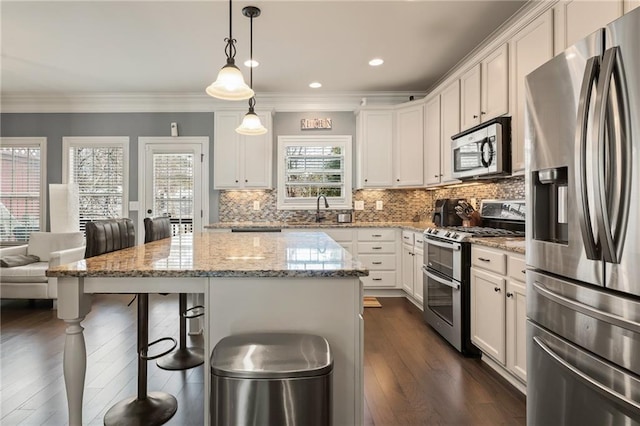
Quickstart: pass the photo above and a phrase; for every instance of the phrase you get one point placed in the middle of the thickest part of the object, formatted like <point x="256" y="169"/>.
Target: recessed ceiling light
<point x="251" y="63"/>
<point x="315" y="85"/>
<point x="376" y="62"/>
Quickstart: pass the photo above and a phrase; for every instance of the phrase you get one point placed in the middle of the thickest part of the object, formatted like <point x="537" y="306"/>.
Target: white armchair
<point x="30" y="281"/>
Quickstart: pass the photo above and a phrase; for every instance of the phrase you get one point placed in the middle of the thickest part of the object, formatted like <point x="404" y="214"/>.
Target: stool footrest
<point x="199" y="312"/>
<point x="143" y="353"/>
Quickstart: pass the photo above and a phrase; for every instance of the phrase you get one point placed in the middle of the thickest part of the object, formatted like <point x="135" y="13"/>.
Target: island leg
<point x="75" y="367"/>
<point x="73" y="307"/>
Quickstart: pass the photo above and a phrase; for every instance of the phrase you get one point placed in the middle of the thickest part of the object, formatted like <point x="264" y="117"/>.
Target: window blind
<point x="173" y="189"/>
<point x="20" y="192"/>
<point x="314" y="170"/>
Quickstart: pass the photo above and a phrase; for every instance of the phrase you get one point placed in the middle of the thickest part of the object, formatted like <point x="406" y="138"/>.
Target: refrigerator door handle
<point x="587" y="310"/>
<point x="612" y="193"/>
<point x="592" y="249"/>
<point x="602" y="389"/>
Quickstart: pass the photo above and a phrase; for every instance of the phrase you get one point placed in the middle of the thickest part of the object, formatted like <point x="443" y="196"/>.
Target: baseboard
<point x="498" y="368"/>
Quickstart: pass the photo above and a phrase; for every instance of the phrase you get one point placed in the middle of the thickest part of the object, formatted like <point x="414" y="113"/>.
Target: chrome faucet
<point x="326" y="205"/>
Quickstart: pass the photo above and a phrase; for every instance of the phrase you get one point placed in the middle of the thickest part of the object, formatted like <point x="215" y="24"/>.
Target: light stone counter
<point x="514" y="244"/>
<point x="304" y="254"/>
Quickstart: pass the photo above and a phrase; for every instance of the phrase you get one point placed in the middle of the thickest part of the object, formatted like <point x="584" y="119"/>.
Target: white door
<point x="173" y="181"/>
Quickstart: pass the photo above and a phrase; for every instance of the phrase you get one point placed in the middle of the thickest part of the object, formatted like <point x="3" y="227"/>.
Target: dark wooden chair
<point x="149" y="408"/>
<point x="183" y="357"/>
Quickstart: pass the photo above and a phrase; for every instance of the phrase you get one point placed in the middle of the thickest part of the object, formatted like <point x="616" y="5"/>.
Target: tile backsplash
<point x="399" y="205"/>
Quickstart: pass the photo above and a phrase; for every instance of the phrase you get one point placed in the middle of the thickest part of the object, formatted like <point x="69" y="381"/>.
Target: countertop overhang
<point x="212" y="254"/>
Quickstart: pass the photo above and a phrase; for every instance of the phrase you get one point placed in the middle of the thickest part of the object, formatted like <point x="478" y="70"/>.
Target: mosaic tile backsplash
<point x="399" y="205"/>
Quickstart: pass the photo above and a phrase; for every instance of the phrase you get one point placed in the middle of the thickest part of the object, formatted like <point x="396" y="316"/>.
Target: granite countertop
<point x="412" y="226"/>
<point x="514" y="244"/>
<point x="214" y="254"/>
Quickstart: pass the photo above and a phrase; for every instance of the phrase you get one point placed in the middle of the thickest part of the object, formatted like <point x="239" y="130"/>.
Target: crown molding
<point x="192" y="102"/>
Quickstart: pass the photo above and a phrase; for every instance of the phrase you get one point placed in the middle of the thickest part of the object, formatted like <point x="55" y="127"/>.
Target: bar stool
<point x="183" y="357"/>
<point x="146" y="408"/>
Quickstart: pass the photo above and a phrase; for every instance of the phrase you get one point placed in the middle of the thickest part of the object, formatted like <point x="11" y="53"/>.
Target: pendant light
<point x="251" y="124"/>
<point x="230" y="84"/>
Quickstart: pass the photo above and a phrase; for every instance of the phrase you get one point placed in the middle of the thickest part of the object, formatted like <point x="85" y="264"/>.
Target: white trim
<point x="191" y="102"/>
<point x="203" y="141"/>
<point x="40" y="142"/>
<point x="100" y="142"/>
<point x="334" y="203"/>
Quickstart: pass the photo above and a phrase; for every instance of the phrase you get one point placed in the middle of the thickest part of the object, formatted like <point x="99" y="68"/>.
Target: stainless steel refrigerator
<point x="582" y="132"/>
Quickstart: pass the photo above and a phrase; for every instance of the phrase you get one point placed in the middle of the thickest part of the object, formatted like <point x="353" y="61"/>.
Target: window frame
<point x="30" y="142"/>
<point x="335" y="203"/>
<point x="99" y="142"/>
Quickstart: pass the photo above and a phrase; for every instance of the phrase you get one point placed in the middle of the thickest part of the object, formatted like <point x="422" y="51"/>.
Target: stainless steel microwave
<point x="482" y="151"/>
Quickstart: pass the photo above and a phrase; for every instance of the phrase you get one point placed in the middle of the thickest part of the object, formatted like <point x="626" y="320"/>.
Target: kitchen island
<point x="257" y="282"/>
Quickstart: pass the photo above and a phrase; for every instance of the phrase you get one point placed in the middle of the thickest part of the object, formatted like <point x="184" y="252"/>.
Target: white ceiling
<point x="55" y="47"/>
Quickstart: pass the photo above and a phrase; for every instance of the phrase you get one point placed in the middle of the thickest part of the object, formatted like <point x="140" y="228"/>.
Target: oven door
<point x="444" y="257"/>
<point x="443" y="306"/>
<point x="474" y="157"/>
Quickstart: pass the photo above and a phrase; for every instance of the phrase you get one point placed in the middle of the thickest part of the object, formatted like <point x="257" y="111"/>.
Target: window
<point x="22" y="187"/>
<point x="100" y="167"/>
<point x="310" y="166"/>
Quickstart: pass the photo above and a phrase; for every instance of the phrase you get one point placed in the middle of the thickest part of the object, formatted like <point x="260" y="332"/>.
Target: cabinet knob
<point x="509" y="294"/>
<point x="237" y="181"/>
<point x="496" y="289"/>
<point x="483" y="113"/>
<point x="366" y="180"/>
<point x="435" y="176"/>
<point x="475" y="116"/>
<point x="397" y="180"/>
<point x="246" y="180"/>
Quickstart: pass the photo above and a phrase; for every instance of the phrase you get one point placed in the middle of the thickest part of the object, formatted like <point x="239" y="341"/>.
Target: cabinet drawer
<point x="376" y="262"/>
<point x="516" y="267"/>
<point x="376" y="247"/>
<point x="418" y="242"/>
<point x="407" y="237"/>
<point x="491" y="260"/>
<point x="379" y="279"/>
<point x="339" y="235"/>
<point x="376" y="234"/>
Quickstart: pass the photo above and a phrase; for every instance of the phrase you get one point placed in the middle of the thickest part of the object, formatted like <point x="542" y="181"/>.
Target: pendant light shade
<point x="230" y="83"/>
<point x="251" y="124"/>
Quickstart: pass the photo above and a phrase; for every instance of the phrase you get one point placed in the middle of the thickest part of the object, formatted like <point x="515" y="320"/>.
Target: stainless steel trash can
<point x="271" y="379"/>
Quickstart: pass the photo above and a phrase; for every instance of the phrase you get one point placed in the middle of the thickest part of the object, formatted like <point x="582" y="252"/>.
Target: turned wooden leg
<point x="75" y="367"/>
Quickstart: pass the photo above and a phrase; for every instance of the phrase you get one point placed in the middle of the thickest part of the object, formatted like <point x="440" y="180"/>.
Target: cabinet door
<point x="407" y="269"/>
<point x="529" y="48"/>
<point x="470" y="98"/>
<point x="226" y="150"/>
<point x="409" y="146"/>
<point x="418" y="289"/>
<point x="258" y="157"/>
<point x="630" y="5"/>
<point x="488" y="313"/>
<point x="450" y="125"/>
<point x="576" y="19"/>
<point x="517" y="329"/>
<point x="495" y="84"/>
<point x="432" y="141"/>
<point x="376" y="149"/>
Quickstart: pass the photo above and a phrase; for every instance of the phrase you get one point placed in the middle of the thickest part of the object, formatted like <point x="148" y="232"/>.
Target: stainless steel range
<point x="446" y="268"/>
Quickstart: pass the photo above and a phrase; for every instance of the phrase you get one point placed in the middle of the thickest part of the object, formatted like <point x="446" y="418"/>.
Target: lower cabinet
<point x="411" y="271"/>
<point x="377" y="249"/>
<point x="498" y="308"/>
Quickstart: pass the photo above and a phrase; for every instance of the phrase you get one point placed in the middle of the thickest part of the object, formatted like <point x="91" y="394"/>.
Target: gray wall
<point x="55" y="126"/>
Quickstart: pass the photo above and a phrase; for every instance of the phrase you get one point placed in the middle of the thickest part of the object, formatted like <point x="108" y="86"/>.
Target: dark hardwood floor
<point x="412" y="376"/>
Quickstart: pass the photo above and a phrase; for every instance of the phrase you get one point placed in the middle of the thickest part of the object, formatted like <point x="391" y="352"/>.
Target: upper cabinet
<point x="241" y="162"/>
<point x="576" y="19"/>
<point x="390" y="147"/>
<point x="449" y="126"/>
<point x="374" y="141"/>
<point x="432" y="141"/>
<point x="409" y="145"/>
<point x="530" y="47"/>
<point x="484" y="89"/>
<point x="630" y="4"/>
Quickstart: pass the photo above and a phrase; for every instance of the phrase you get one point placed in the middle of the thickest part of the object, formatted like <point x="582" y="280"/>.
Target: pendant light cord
<point x="230" y="22"/>
<point x="251" y="52"/>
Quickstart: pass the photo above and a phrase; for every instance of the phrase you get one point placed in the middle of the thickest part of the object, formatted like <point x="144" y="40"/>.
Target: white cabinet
<point x="241" y="162"/>
<point x="630" y="5"/>
<point x="498" y="308"/>
<point x="484" y="89"/>
<point x="374" y="142"/>
<point x="449" y="126"/>
<point x="412" y="255"/>
<point x="576" y="19"/>
<point x="409" y="145"/>
<point x="531" y="47"/>
<point x="390" y="147"/>
<point x="432" y="141"/>
<point x="377" y="249"/>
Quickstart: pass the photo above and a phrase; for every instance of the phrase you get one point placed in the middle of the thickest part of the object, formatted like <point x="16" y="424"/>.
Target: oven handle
<point x="452" y="246"/>
<point x="451" y="284"/>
